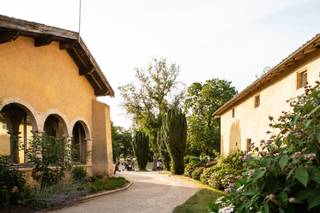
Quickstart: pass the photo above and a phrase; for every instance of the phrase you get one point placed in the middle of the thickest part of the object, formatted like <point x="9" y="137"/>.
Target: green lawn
<point x="199" y="202"/>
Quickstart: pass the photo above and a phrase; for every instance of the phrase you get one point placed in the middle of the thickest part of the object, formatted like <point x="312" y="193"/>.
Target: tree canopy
<point x="202" y="100"/>
<point x="147" y="98"/>
<point x="121" y="142"/>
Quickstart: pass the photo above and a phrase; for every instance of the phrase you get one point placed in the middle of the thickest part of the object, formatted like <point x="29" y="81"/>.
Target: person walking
<point x="116" y="167"/>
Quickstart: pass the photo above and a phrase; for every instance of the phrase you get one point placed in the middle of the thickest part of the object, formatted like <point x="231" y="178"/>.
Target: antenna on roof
<point x="79" y="20"/>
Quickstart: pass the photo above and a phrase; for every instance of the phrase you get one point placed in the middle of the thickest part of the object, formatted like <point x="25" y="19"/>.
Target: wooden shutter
<point x="299" y="80"/>
<point x="304" y="76"/>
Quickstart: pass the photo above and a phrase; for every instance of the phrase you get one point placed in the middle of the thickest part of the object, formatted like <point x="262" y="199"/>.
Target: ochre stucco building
<point x="244" y="119"/>
<point x="49" y="84"/>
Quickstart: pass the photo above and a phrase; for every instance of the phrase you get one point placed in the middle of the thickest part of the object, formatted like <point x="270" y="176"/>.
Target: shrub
<point x="284" y="175"/>
<point x="206" y="174"/>
<point x="191" y="159"/>
<point x="174" y="129"/>
<point x="233" y="160"/>
<point x="50" y="156"/>
<point x="196" y="173"/>
<point x="53" y="195"/>
<point x="79" y="173"/>
<point x="101" y="184"/>
<point x="223" y="174"/>
<point x="12" y="183"/>
<point x="141" y="149"/>
<point x="188" y="169"/>
<point x="223" y="177"/>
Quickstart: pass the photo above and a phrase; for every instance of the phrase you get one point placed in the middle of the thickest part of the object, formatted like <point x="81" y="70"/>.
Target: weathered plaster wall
<point x="253" y="123"/>
<point x="102" y="146"/>
<point x="46" y="80"/>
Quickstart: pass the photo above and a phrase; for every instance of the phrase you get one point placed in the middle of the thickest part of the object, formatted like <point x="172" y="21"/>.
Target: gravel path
<point x="151" y="192"/>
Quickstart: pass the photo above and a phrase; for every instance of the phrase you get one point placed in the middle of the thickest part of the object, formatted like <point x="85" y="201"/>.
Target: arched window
<point x="55" y="126"/>
<point x="16" y="131"/>
<point x="79" y="143"/>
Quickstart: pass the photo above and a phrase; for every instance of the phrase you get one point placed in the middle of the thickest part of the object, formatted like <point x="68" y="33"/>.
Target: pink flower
<point x="296" y="155"/>
<point x="311" y="156"/>
<point x="292" y="200"/>
<point x="270" y="197"/>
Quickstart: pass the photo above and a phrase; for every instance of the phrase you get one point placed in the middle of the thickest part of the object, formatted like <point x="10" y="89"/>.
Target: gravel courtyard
<point x="151" y="192"/>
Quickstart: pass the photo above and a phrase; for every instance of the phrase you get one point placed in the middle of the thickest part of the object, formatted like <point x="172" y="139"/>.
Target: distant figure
<point x="116" y="168"/>
<point x="159" y="165"/>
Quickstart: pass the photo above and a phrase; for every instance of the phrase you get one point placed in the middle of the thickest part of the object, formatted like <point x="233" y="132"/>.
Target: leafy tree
<point x="121" y="142"/>
<point x="141" y="149"/>
<point x="174" y="130"/>
<point x="147" y="99"/>
<point x="202" y="100"/>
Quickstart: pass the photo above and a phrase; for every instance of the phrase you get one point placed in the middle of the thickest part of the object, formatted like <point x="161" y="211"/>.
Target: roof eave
<point x="74" y="45"/>
<point x="284" y="66"/>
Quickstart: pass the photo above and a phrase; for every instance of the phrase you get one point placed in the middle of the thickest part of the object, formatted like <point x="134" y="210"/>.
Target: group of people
<point x="127" y="165"/>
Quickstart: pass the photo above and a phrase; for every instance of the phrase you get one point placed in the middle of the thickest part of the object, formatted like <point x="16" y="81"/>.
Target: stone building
<point x="49" y="84"/>
<point x="244" y="118"/>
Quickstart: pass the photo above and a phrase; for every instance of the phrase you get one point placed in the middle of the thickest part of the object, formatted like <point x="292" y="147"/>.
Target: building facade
<point x="49" y="84"/>
<point x="245" y="118"/>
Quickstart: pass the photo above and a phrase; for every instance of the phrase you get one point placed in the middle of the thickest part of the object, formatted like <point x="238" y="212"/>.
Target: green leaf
<point x="266" y="208"/>
<point x="283" y="161"/>
<point x="301" y="174"/>
<point x="315" y="174"/>
<point x="290" y="173"/>
<point x="308" y="123"/>
<point x="258" y="174"/>
<point x="249" y="193"/>
<point x="314" y="200"/>
<point x="283" y="196"/>
<point x="304" y="194"/>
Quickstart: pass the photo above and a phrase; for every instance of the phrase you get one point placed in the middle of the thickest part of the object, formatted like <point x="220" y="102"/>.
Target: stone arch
<point x="62" y="117"/>
<point x="85" y="125"/>
<point x="80" y="140"/>
<point x="18" y="124"/>
<point x="27" y="108"/>
<point x="55" y="125"/>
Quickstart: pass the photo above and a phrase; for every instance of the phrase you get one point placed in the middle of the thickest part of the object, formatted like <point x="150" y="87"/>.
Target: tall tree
<point x="141" y="149"/>
<point x="121" y="142"/>
<point x="147" y="98"/>
<point x="202" y="100"/>
<point x="174" y="129"/>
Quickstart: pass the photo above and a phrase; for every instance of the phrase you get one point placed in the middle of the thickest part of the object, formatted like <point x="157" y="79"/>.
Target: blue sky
<point x="228" y="39"/>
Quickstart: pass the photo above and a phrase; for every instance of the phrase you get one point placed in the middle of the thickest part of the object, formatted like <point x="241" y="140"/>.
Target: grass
<point x="106" y="184"/>
<point x="199" y="202"/>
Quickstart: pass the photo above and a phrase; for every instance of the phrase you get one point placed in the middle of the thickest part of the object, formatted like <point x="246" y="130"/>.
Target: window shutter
<point x="305" y="78"/>
<point x="299" y="80"/>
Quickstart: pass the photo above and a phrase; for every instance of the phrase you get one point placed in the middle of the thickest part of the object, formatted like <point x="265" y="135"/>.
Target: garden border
<point x="86" y="198"/>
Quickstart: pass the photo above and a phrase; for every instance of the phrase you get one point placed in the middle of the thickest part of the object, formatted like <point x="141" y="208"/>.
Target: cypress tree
<point x="174" y="133"/>
<point x="141" y="149"/>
